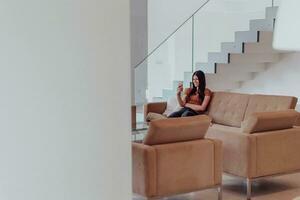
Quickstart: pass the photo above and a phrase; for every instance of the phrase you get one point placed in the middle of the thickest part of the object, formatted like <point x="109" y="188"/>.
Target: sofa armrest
<point x="277" y="151"/>
<point x="155" y="107"/>
<point x="268" y="121"/>
<point x="143" y="169"/>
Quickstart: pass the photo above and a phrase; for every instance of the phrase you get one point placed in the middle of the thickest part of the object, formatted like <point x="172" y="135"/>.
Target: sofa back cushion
<point x="263" y="103"/>
<point x="177" y="129"/>
<point x="228" y="108"/>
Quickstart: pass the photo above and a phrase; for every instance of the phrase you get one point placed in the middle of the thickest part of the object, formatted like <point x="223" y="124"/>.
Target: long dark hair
<point x="202" y="85"/>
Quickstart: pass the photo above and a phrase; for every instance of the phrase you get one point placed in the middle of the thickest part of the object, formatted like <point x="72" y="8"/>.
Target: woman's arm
<point x="201" y="107"/>
<point x="181" y="102"/>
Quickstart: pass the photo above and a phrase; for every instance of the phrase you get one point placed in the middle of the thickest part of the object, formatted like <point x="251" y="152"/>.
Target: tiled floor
<point x="285" y="187"/>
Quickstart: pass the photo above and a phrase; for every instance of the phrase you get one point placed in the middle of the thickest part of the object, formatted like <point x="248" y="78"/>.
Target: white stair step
<point x="246" y="36"/>
<point x="240" y="68"/>
<point x="238" y="76"/>
<point x="214" y="83"/>
<point x="241" y="76"/>
<point x="265" y="37"/>
<point x="205" y="67"/>
<point x="224" y="87"/>
<point x="254" y="58"/>
<point x="187" y="79"/>
<point x="261" y="25"/>
<point x="271" y="12"/>
<point x="175" y="84"/>
<point x="232" y="47"/>
<point x="167" y="93"/>
<point x="259" y="48"/>
<point x="218" y="57"/>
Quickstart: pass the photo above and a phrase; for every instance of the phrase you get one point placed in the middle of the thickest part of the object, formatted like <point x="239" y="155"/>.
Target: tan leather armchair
<point x="175" y="158"/>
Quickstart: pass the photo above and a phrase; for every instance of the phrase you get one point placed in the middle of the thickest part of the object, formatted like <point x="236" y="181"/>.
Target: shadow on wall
<point x="297" y="107"/>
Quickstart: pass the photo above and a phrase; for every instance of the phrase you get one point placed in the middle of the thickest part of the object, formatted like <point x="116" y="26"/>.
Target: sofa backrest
<point x="228" y="108"/>
<point x="263" y="103"/>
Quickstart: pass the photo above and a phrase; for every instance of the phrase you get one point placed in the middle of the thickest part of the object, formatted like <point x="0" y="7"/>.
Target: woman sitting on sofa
<point x="195" y="100"/>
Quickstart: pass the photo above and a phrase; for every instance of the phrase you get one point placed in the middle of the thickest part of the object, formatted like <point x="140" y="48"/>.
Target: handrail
<point x="148" y="55"/>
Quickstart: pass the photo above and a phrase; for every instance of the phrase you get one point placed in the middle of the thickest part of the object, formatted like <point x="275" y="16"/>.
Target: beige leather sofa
<point x="257" y="132"/>
<point x="175" y="158"/>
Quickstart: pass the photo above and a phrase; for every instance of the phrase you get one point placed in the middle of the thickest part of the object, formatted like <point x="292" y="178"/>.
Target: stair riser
<point x="217" y="58"/>
<point x="261" y="25"/>
<point x="232" y="47"/>
<point x="259" y="48"/>
<point x="253" y="58"/>
<point x="246" y="36"/>
<point x="239" y="68"/>
<point x="205" y="67"/>
<point x="221" y="86"/>
<point x="242" y="76"/>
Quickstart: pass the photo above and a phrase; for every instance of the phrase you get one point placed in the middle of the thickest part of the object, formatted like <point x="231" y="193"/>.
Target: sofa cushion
<point x="228" y="108"/>
<point x="268" y="121"/>
<point x="177" y="129"/>
<point x="263" y="103"/>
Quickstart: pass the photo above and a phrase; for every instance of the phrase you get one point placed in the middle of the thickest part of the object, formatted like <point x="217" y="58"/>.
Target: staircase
<point x="238" y="61"/>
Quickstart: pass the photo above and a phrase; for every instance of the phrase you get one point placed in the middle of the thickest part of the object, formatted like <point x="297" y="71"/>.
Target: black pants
<point x="183" y="112"/>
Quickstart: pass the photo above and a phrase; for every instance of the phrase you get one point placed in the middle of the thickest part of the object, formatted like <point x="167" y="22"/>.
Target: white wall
<point x="281" y="78"/>
<point x="65" y="100"/>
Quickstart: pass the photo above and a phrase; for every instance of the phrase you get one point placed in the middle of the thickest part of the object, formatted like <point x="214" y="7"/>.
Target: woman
<point x="196" y="99"/>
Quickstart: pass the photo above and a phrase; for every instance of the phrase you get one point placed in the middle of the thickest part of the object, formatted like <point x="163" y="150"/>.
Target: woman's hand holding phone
<point x="179" y="88"/>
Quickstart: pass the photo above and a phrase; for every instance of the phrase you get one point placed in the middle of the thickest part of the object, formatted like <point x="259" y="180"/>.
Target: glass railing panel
<point x="217" y="23"/>
<point x="168" y="64"/>
<point x="166" y="16"/>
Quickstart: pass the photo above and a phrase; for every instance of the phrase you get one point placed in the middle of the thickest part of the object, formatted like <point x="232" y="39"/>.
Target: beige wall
<point x="65" y="100"/>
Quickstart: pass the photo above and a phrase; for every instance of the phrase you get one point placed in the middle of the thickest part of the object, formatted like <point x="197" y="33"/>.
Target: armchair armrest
<point x="268" y="121"/>
<point x="155" y="107"/>
<point x="143" y="169"/>
<point x="218" y="160"/>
